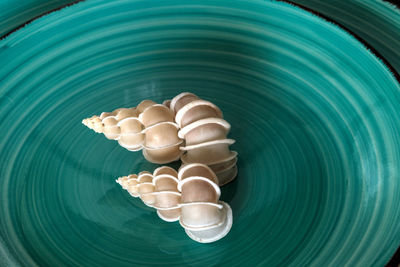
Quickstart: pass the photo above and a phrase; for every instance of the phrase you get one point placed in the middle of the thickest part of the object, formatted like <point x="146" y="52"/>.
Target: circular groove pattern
<point x="376" y="22"/>
<point x="13" y="17"/>
<point x="313" y="113"/>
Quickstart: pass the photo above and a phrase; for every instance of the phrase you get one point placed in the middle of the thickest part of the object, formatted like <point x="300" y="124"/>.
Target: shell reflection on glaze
<point x="158" y="190"/>
<point x="149" y="126"/>
<point x="205" y="133"/>
<point x="190" y="196"/>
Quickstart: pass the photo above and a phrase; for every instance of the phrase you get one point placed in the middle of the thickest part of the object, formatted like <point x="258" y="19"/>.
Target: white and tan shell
<point x="190" y="196"/>
<point x="149" y="126"/>
<point x="205" y="133"/>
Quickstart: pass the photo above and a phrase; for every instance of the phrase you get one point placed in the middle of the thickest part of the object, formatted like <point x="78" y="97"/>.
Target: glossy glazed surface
<point x="14" y="13"/>
<point x="313" y="113"/>
<point x="376" y="22"/>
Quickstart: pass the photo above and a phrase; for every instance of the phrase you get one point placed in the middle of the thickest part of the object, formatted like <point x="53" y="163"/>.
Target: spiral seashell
<point x="204" y="217"/>
<point x="149" y="126"/>
<point x="154" y="128"/>
<point x="205" y="133"/>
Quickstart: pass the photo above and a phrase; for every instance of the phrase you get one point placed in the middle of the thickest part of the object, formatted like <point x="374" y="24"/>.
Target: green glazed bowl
<point x="314" y="113"/>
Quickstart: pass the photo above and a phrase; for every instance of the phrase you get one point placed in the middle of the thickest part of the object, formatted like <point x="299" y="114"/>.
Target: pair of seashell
<point x="149" y="126"/>
<point x="190" y="196"/>
<point x="205" y="132"/>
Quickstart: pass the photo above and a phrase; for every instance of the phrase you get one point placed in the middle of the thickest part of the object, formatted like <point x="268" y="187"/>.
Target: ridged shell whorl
<point x="205" y="133"/>
<point x="161" y="144"/>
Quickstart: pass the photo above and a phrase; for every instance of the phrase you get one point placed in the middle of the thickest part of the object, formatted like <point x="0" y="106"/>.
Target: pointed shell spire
<point x="149" y="126"/>
<point x="122" y="125"/>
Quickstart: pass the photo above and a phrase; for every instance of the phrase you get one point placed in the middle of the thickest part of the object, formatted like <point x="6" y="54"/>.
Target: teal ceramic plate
<point x="314" y="113"/>
<point x="376" y="22"/>
<point x="14" y="14"/>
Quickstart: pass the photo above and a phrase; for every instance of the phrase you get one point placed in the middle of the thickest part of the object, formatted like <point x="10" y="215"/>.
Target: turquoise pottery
<point x="376" y="22"/>
<point x="315" y="116"/>
<point x="15" y="13"/>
